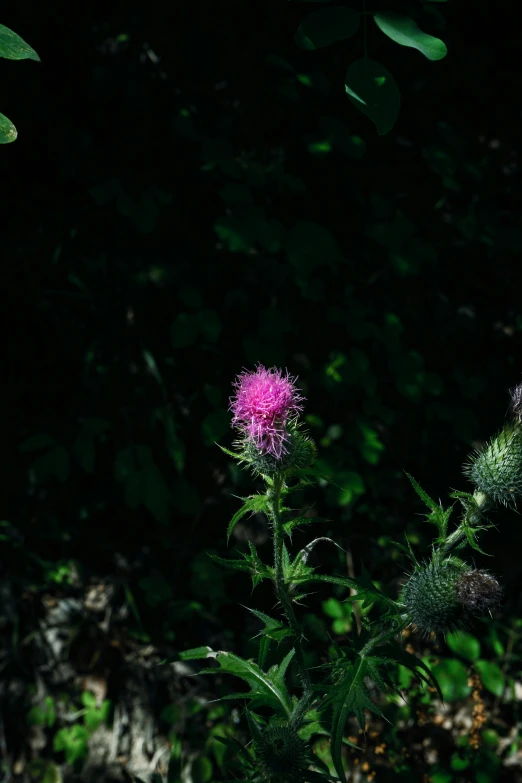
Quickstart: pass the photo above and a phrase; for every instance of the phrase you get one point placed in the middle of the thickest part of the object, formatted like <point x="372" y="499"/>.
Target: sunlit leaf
<point x="8" y="132"/>
<point x="15" y="48"/>
<point x="406" y="32"/>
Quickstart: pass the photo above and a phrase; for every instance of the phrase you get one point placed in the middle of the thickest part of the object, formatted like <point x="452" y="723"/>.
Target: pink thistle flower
<point x="263" y="401"/>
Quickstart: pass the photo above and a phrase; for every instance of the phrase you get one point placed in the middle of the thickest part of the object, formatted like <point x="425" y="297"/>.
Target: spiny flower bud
<point x="445" y="596"/>
<point x="282" y="754"/>
<point x="300" y="453"/>
<point x="496" y="469"/>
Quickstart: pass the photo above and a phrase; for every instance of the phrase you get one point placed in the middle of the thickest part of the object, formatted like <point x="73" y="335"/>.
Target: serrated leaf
<point x="396" y="654"/>
<point x="373" y="90"/>
<point x="351" y="697"/>
<point x="197" y="653"/>
<point x="8" y="132"/>
<point x="299" y="521"/>
<point x="267" y="688"/>
<point x="13" y="47"/>
<point x="367" y="593"/>
<point x="253" y="504"/>
<point x="471" y="537"/>
<point x="432" y="504"/>
<point x="406" y="32"/>
<point x="407" y="550"/>
<point x="274" y="629"/>
<point x="439" y="515"/>
<point x="325" y="27"/>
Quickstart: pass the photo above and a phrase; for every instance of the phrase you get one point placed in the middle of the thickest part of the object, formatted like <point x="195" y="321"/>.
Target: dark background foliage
<point x="191" y="194"/>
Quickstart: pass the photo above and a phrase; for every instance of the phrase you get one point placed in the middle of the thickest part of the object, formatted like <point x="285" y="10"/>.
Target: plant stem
<point x="279" y="580"/>
<point x="472" y="518"/>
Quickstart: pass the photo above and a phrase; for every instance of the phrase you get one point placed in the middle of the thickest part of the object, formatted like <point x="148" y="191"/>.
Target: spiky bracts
<point x="445" y="596"/>
<point x="496" y="469"/>
<point x="300" y="452"/>
<point x="281" y="754"/>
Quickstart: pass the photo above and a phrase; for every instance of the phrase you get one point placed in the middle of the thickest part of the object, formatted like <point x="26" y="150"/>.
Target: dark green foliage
<point x="191" y="193"/>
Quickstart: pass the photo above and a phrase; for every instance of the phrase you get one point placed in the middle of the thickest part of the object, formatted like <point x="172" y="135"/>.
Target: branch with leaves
<point x="368" y="84"/>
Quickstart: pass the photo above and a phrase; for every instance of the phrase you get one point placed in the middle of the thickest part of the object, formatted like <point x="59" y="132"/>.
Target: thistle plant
<point x="440" y="594"/>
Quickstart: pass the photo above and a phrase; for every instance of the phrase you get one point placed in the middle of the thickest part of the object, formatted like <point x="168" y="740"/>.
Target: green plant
<point x="440" y="595"/>
<point x="72" y="740"/>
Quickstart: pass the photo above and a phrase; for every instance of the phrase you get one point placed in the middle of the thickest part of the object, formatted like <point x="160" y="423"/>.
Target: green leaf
<point x="367" y="593"/>
<point x="197" y="653"/>
<point x="439" y="515"/>
<point x="251" y="563"/>
<point x="253" y="504"/>
<point x="464" y="644"/>
<point x="452" y="676"/>
<point x="325" y="27"/>
<point x="422" y="494"/>
<point x="351" y="697"/>
<point x="492" y="676"/>
<point x="201" y="771"/>
<point x="15" y="48"/>
<point x="8" y="132"/>
<point x="274" y="629"/>
<point x="73" y="741"/>
<point x="406" y="32"/>
<point x="36" y="442"/>
<point x="267" y="688"/>
<point x="299" y="521"/>
<point x="372" y="89"/>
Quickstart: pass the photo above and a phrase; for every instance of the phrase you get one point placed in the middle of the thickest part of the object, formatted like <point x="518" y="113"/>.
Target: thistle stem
<point x="279" y="580"/>
<point x="472" y="518"/>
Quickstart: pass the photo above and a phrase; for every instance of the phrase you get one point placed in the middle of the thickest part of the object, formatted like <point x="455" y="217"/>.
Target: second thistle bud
<point x="282" y="754"/>
<point x="496" y="469"/>
<point x="448" y="595"/>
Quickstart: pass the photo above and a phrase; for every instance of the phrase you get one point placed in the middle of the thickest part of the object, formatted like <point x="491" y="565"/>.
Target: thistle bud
<point x="445" y="596"/>
<point x="300" y="453"/>
<point x="281" y="754"/>
<point x="496" y="469"/>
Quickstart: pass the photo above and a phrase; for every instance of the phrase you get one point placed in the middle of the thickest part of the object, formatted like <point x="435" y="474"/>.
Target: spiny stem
<point x="279" y="580"/>
<point x="472" y="518"/>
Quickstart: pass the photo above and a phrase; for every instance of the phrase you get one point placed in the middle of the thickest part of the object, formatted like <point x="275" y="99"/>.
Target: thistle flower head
<point x="445" y="596"/>
<point x="263" y="402"/>
<point x="496" y="469"/>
